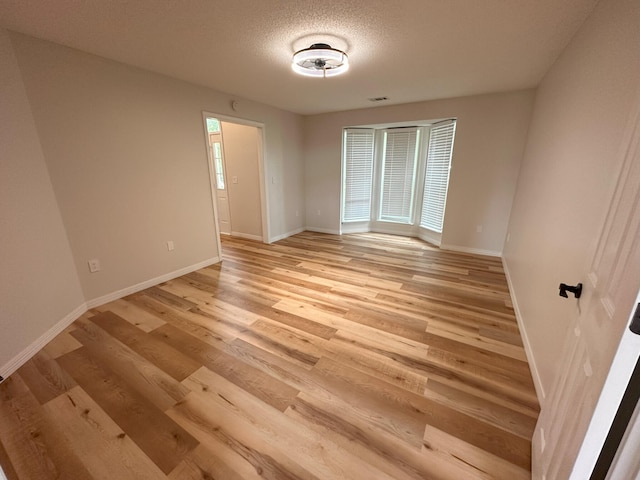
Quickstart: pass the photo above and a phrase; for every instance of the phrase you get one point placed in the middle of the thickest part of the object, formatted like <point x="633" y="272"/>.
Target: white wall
<point x="127" y="156"/>
<point x="568" y="173"/>
<point x="38" y="281"/>
<point x="241" y="156"/>
<point x="287" y="194"/>
<point x="490" y="137"/>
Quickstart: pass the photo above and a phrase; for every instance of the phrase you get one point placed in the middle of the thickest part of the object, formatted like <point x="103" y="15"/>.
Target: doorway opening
<point x="235" y="152"/>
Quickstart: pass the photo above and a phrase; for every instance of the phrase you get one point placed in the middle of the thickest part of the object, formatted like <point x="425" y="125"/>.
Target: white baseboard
<point x="248" y="236"/>
<point x="391" y="229"/>
<point x="432" y="238"/>
<point x="110" y="297"/>
<point x="16" y="362"/>
<point x="476" y="251"/>
<point x="355" y="227"/>
<point x="24" y="356"/>
<point x="285" y="235"/>
<point x="537" y="382"/>
<point x="323" y="230"/>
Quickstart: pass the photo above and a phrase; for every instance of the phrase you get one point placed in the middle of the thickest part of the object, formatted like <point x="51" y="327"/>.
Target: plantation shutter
<point x="436" y="180"/>
<point x="399" y="165"/>
<point x="358" y="175"/>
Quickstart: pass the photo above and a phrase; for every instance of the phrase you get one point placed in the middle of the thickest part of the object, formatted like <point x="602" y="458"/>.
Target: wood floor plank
<point x="148" y="380"/>
<point x="7" y="465"/>
<point x="201" y="352"/>
<point x="133" y="314"/>
<point x="348" y="436"/>
<point x="288" y="343"/>
<point x="240" y="445"/>
<point x="268" y="389"/>
<point x="505" y="418"/>
<point x="36" y="449"/>
<point x="63" y="343"/>
<point x="165" y="444"/>
<point x="242" y="298"/>
<point x="206" y="327"/>
<point x="45" y="378"/>
<point x="169" y="298"/>
<point x="406" y="327"/>
<point x="167" y="358"/>
<point x="405" y="413"/>
<point x="237" y="410"/>
<point x="105" y="449"/>
<point x="372" y="395"/>
<point x="483" y="464"/>
<point x="341" y="420"/>
<point x="514" y="351"/>
<point x="205" y="463"/>
<point x="278" y="367"/>
<point x="378" y="365"/>
<point x="316" y="357"/>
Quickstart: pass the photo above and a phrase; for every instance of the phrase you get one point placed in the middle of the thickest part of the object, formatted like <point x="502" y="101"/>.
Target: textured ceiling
<point x="407" y="50"/>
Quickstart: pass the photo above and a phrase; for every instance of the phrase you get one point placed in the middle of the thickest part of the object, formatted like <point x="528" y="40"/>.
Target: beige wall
<point x="490" y="137"/>
<point x="241" y="156"/>
<point x="568" y="173"/>
<point x="38" y="281"/>
<point x="287" y="194"/>
<point x="127" y="156"/>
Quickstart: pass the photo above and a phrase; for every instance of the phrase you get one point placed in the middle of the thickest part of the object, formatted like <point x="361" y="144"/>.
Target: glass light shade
<point x="320" y="60"/>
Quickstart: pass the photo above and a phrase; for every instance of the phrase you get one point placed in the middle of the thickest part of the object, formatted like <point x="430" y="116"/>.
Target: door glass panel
<point x="217" y="161"/>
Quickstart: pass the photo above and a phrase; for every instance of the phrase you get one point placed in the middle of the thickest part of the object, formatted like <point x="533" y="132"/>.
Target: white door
<point x="578" y="407"/>
<point x="220" y="183"/>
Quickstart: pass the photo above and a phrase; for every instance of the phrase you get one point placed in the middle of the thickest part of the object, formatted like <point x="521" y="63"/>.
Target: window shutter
<point x="358" y="175"/>
<point x="399" y="164"/>
<point x="436" y="179"/>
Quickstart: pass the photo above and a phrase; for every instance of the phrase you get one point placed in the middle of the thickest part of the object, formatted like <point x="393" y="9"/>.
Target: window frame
<point x="442" y="186"/>
<point x="345" y="167"/>
<point x="408" y="219"/>
<point x="377" y="223"/>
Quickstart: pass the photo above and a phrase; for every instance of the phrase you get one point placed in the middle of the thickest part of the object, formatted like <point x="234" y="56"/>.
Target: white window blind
<point x="398" y="171"/>
<point x="358" y="175"/>
<point x="436" y="179"/>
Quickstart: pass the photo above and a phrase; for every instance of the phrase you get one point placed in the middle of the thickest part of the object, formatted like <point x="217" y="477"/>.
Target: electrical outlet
<point x="94" y="265"/>
<point x="234" y="179"/>
<point x="318" y="212"/>
<point x="297" y="213"/>
<point x="478" y="228"/>
<point x="273" y="179"/>
<point x="170" y="245"/>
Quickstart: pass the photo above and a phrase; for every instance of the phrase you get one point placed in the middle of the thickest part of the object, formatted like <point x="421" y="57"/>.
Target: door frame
<point x="264" y="210"/>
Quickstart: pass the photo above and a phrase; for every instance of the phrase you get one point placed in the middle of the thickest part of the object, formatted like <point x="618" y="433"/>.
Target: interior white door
<point x="611" y="285"/>
<point x="216" y="147"/>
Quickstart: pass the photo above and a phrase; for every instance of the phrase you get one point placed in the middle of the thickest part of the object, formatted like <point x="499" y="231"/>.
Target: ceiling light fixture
<point x="320" y="60"/>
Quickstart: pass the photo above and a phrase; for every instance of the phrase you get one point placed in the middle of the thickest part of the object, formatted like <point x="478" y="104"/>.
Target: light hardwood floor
<point x="319" y="357"/>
